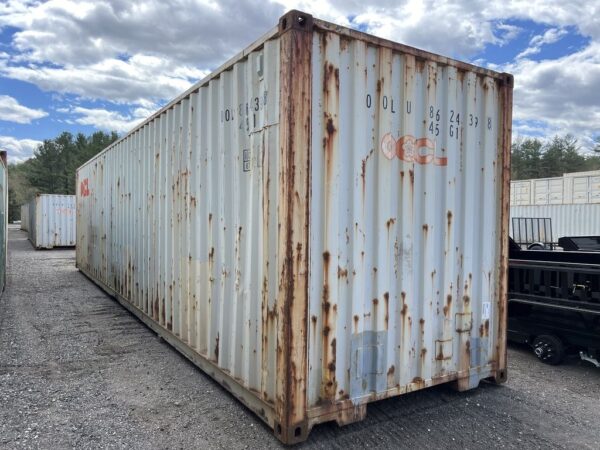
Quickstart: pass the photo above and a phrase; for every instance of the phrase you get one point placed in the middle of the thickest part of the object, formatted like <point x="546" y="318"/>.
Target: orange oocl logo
<point x="84" y="188"/>
<point x="411" y="149"/>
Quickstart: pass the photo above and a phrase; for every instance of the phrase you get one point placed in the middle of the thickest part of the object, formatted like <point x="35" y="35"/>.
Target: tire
<point x="549" y="349"/>
<point x="536" y="246"/>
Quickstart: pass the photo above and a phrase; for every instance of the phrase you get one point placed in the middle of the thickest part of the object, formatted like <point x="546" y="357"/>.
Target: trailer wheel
<point x="549" y="349"/>
<point x="536" y="246"/>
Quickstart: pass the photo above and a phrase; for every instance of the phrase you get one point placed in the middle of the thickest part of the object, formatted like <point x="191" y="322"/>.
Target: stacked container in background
<point x="572" y="202"/>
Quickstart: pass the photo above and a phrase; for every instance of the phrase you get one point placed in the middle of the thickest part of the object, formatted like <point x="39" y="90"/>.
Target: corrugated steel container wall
<point x="25" y="217"/>
<point x="405" y="222"/>
<point x="3" y="219"/>
<point x="180" y="219"/>
<point x="52" y="221"/>
<point x="567" y="220"/>
<point x="320" y="223"/>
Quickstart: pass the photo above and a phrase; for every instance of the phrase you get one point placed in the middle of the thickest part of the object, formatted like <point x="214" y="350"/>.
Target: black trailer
<point x="554" y="302"/>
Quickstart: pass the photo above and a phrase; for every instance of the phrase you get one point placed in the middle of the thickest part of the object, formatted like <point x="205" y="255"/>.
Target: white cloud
<point x="454" y="27"/>
<point x="139" y="79"/>
<point x="507" y="32"/>
<point x="185" y="31"/>
<point x="12" y="111"/>
<point x="142" y="54"/>
<point x="18" y="149"/>
<point x="563" y="94"/>
<point x="124" y="51"/>
<point x="108" y="120"/>
<point x="535" y="44"/>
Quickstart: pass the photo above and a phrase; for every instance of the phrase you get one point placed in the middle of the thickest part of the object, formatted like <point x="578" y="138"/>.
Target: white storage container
<point x="25" y="217"/>
<point x="52" y="221"/>
<point x="571" y="188"/>
<point x="567" y="220"/>
<point x="320" y="223"/>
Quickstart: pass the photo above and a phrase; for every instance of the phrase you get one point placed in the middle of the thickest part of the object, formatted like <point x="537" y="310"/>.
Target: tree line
<point x="52" y="168"/>
<point x="532" y="158"/>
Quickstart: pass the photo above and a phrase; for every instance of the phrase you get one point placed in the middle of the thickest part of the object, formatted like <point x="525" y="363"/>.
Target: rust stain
<point x="331" y="365"/>
<point x="386" y="298"/>
<point x="217" y="348"/>
<point x="484" y="329"/>
<point x="330" y="384"/>
<point x="363" y="174"/>
<point x="155" y="311"/>
<point x="420" y="382"/>
<point x="390" y="376"/>
<point x="299" y="256"/>
<point x="440" y="355"/>
<point x="330" y="127"/>
<point x="448" y="305"/>
<point x="404" y="310"/>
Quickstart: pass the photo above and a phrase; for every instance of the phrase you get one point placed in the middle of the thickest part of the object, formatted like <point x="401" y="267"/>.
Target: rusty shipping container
<point x="52" y="221"/>
<point x="318" y="224"/>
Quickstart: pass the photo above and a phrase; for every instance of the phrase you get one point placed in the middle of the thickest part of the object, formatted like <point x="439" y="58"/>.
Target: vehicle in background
<point x="554" y="302"/>
<point x="532" y="233"/>
<point x="580" y="243"/>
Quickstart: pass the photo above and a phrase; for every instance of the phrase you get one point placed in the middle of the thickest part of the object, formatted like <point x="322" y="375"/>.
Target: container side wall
<point x="25" y="217"/>
<point x="567" y="220"/>
<point x="571" y="188"/>
<point x="3" y="222"/>
<point x="52" y="221"/>
<point x="31" y="227"/>
<point x="406" y="214"/>
<point x="179" y="221"/>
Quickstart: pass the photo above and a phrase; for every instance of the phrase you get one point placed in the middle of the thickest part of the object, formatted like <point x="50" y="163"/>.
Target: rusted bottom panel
<point x="342" y="412"/>
<point x="249" y="399"/>
<point x="350" y="411"/>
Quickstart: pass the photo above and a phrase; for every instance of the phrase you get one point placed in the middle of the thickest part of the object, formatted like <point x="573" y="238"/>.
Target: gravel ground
<point x="77" y="370"/>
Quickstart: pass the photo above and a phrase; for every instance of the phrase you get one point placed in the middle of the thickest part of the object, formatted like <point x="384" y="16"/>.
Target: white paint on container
<point x="25" y="217"/>
<point x="571" y="188"/>
<point x="320" y="223"/>
<point x="567" y="220"/>
<point x="52" y="221"/>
